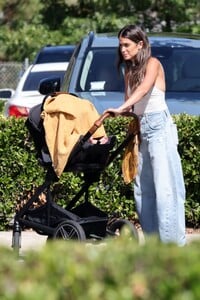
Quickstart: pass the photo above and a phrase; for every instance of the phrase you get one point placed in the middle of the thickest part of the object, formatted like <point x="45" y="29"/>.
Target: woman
<point x="159" y="186"/>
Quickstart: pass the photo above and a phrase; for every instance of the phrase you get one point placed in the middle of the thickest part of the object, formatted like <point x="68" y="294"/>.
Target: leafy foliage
<point x="2" y="103"/>
<point x="15" y="13"/>
<point x="189" y="149"/>
<point x="21" y="173"/>
<point x="23" y="22"/>
<point x="119" y="269"/>
<point x="17" y="157"/>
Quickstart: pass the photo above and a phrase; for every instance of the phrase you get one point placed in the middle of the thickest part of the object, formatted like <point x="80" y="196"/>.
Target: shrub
<point x="18" y="167"/>
<point x="1" y="106"/>
<point x="21" y="173"/>
<point x="119" y="269"/>
<point x="189" y="149"/>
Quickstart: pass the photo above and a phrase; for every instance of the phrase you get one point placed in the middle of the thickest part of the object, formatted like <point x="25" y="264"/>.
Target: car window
<point x="45" y="57"/>
<point x="72" y="62"/>
<point x="99" y="72"/>
<point x="34" y="78"/>
<point x="181" y="66"/>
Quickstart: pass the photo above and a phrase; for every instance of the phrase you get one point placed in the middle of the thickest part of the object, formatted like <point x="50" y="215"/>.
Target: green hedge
<point x="119" y="269"/>
<point x="1" y="105"/>
<point x="21" y="173"/>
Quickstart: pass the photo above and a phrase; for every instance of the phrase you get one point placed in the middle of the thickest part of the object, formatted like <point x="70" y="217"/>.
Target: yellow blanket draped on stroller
<point x="65" y="119"/>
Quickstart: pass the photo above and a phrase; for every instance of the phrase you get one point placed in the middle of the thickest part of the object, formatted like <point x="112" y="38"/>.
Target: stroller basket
<point x="94" y="220"/>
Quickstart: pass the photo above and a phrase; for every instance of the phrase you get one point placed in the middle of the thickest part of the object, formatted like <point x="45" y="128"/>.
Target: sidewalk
<point x="30" y="240"/>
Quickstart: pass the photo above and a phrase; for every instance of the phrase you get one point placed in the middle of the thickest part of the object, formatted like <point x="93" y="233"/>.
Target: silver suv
<point x="92" y="73"/>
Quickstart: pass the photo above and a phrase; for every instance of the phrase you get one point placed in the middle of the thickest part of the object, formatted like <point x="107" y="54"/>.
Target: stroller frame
<point x="82" y="222"/>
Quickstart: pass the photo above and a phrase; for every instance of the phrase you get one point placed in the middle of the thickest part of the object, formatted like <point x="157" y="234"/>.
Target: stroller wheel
<point x="116" y="228"/>
<point x="16" y="240"/>
<point x="68" y="230"/>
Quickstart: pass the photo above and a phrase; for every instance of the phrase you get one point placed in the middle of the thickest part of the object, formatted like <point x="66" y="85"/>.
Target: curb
<point x="30" y="240"/>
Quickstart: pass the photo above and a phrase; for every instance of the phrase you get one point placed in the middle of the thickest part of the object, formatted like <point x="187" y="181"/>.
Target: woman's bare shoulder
<point x="155" y="64"/>
<point x="154" y="60"/>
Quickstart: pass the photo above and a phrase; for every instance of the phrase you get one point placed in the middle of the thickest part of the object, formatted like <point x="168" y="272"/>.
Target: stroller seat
<point x="90" y="157"/>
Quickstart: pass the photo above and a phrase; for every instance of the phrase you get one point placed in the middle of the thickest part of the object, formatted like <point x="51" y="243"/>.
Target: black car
<point x="92" y="72"/>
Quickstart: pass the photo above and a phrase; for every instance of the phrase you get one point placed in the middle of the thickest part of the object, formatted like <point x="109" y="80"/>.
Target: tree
<point x="17" y="12"/>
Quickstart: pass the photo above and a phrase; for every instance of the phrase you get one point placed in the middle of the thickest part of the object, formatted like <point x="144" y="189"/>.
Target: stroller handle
<point x="100" y="121"/>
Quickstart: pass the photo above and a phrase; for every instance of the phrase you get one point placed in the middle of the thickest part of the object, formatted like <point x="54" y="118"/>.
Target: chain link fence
<point x="10" y="73"/>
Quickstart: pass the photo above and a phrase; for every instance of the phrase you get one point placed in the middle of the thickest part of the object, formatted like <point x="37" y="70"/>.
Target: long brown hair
<point x="135" y="71"/>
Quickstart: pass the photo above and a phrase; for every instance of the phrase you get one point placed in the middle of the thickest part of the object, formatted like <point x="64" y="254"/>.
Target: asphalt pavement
<point x="30" y="240"/>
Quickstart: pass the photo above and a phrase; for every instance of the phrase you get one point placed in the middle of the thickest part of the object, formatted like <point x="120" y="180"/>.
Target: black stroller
<point x="80" y="222"/>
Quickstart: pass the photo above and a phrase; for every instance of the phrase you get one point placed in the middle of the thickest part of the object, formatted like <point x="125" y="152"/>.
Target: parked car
<point x="27" y="94"/>
<point x="58" y="53"/>
<point x="6" y="94"/>
<point x="92" y="72"/>
<point x="50" y="60"/>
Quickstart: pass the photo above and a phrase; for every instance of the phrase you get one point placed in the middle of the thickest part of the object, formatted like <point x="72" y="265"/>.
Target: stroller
<point x="80" y="222"/>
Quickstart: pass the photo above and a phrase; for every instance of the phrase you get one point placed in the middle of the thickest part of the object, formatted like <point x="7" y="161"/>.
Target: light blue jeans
<point x="159" y="186"/>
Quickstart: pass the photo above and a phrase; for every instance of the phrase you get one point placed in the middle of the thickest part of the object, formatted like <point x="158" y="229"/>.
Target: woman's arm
<point x="126" y="87"/>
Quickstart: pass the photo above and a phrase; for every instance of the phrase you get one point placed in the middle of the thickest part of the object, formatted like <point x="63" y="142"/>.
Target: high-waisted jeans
<point x="159" y="186"/>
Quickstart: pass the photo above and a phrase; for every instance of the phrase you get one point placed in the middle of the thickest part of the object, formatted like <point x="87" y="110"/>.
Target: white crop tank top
<point x="153" y="101"/>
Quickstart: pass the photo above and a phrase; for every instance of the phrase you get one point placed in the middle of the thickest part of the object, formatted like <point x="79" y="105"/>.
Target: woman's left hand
<point x="114" y="111"/>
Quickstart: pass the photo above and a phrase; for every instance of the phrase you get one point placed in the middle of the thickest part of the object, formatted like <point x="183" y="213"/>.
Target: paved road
<point x="30" y="240"/>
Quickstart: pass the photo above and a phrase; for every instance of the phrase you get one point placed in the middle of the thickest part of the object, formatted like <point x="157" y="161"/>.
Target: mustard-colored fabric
<point x="130" y="159"/>
<point x="65" y="119"/>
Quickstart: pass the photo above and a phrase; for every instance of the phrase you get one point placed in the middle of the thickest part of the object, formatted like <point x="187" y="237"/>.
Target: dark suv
<point x="92" y="73"/>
